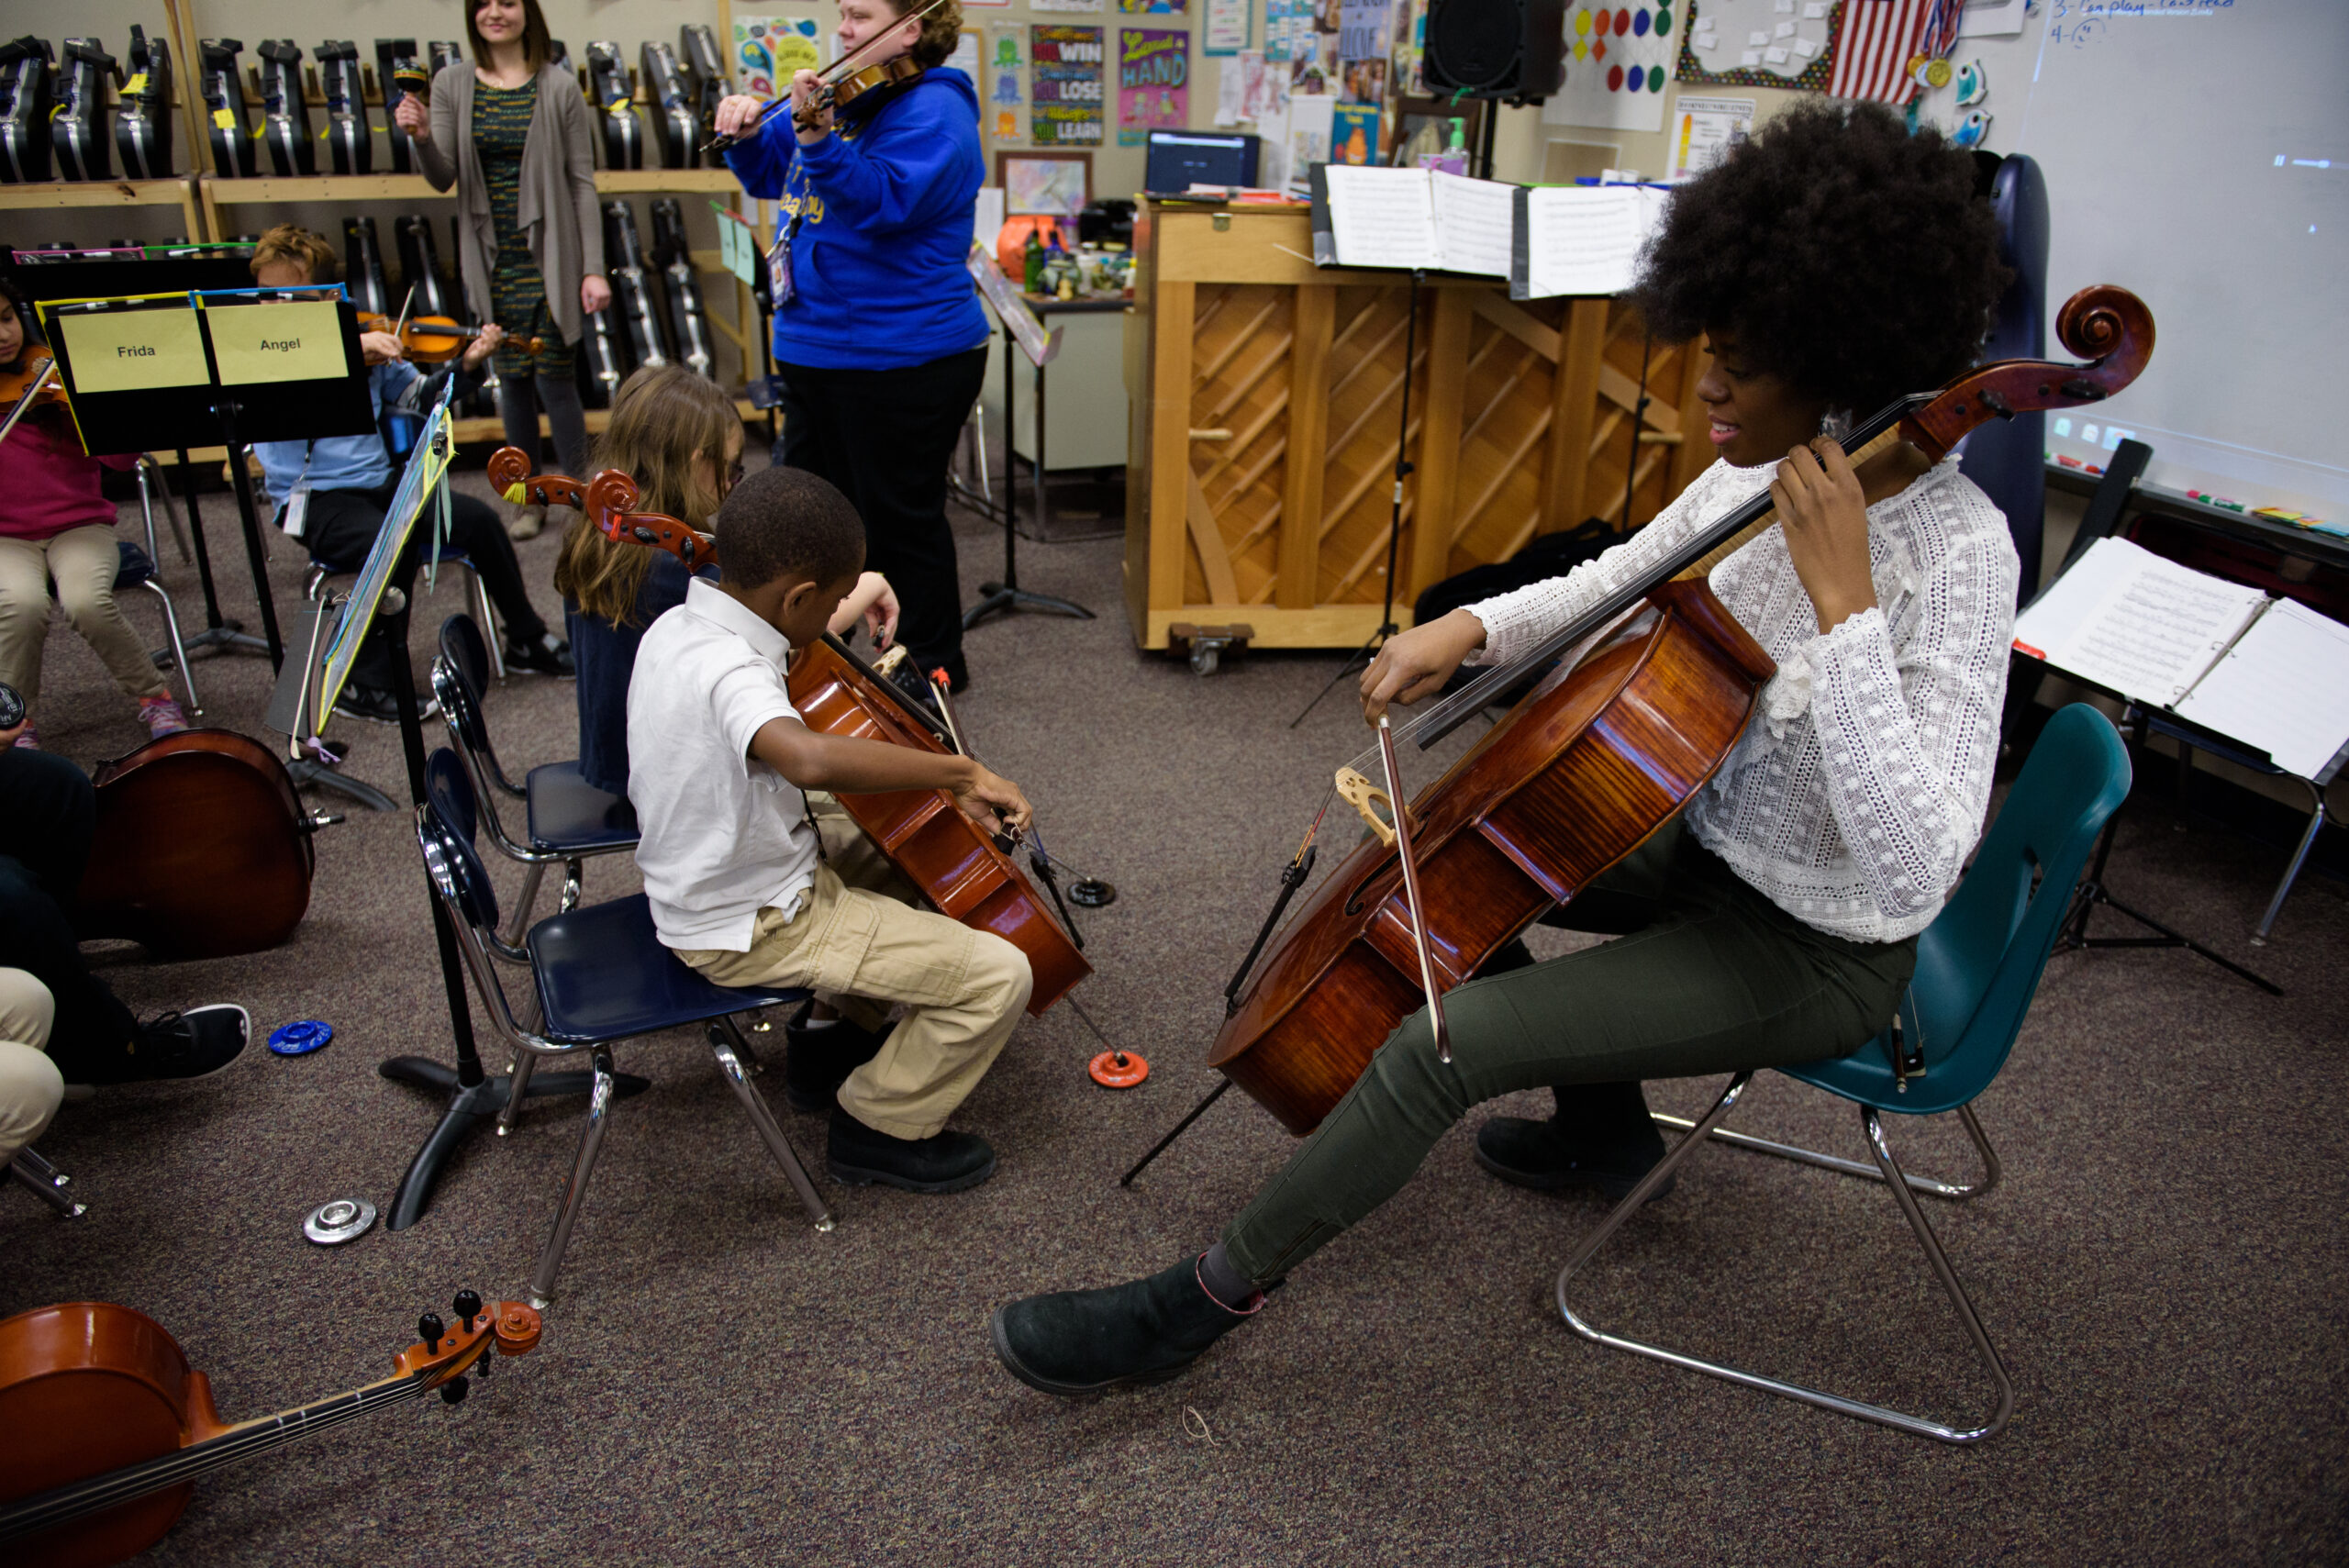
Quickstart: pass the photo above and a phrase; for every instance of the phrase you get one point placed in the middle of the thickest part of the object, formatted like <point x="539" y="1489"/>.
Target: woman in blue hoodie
<point x="878" y="333"/>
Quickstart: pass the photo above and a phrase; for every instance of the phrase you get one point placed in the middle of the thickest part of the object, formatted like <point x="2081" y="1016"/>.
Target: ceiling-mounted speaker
<point x="1496" y="49"/>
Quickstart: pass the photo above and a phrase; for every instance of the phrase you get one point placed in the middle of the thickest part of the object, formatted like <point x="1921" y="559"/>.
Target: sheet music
<point x="1472" y="223"/>
<point x="2283" y="687"/>
<point x="1382" y="217"/>
<point x="2150" y="631"/>
<point x="1586" y="239"/>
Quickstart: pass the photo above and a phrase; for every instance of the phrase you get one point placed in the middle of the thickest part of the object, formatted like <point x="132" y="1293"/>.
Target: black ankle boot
<point x="1081" y="1341"/>
<point x="818" y="1062"/>
<point x="858" y="1156"/>
<point x="1601" y="1136"/>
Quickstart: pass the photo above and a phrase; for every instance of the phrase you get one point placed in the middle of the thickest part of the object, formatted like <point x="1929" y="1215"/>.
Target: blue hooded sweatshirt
<point x="885" y="209"/>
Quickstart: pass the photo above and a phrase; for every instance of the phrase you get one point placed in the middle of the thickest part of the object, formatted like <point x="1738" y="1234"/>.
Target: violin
<point x="34" y="384"/>
<point x="201" y="848"/>
<point x="967" y="874"/>
<point x="434" y="339"/>
<point x="842" y="91"/>
<point x="840" y="82"/>
<point x="104" y="1426"/>
<point x="606" y="501"/>
<point x="1598" y="756"/>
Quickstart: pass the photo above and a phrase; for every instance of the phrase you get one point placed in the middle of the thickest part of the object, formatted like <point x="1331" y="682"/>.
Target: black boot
<point x="1081" y="1341"/>
<point x="859" y="1156"/>
<point x="819" y="1061"/>
<point x="1601" y="1136"/>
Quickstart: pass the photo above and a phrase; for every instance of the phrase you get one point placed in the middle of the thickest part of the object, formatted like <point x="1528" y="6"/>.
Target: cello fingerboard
<point x="1752" y="530"/>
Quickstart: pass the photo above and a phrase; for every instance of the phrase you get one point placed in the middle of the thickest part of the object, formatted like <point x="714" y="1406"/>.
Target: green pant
<point x="1715" y="978"/>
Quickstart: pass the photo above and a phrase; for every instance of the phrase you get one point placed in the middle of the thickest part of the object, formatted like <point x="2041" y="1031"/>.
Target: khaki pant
<point x="83" y="562"/>
<point x="30" y="1085"/>
<point x="856" y="944"/>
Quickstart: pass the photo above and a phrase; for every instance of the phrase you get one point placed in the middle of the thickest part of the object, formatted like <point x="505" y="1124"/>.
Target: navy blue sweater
<point x="886" y="206"/>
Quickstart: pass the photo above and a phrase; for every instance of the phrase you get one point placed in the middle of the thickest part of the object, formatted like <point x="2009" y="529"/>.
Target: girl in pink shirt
<point x="55" y="526"/>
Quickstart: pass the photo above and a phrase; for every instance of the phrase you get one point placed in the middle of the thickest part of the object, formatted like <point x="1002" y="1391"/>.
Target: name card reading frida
<point x="130" y="351"/>
<point x="282" y="340"/>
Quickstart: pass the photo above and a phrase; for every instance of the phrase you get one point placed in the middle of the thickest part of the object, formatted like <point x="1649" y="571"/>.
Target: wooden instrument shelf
<point x="179" y="192"/>
<point x="1242" y="357"/>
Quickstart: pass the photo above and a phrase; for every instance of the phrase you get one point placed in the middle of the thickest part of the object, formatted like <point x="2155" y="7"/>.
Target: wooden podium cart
<point x="1261" y="449"/>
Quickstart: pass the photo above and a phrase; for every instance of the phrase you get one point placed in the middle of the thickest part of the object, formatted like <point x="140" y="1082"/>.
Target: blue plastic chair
<point x="567" y="818"/>
<point x="600" y="975"/>
<point x="1978" y="966"/>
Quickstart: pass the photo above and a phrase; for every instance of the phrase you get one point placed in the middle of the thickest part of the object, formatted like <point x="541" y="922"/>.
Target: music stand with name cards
<point x="230" y="365"/>
<point x="133" y="269"/>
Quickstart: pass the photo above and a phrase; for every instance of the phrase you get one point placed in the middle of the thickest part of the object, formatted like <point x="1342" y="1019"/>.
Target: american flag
<point x="1872" y="53"/>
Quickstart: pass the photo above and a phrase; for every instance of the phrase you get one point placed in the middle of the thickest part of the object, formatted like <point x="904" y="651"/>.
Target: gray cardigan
<point x="557" y="198"/>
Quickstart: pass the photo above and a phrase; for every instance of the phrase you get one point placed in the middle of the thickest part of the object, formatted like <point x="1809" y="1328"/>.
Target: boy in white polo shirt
<point x="750" y="891"/>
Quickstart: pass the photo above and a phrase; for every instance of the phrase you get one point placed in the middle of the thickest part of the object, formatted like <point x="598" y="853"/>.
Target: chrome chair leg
<point x="1954" y="1192"/>
<point x="523" y="902"/>
<point x="573" y="876"/>
<point x="1892" y="1175"/>
<point x="517" y="1085"/>
<point x="489" y="632"/>
<point x="726" y="1043"/>
<point x="47" y="1182"/>
<point x="151" y="488"/>
<point x="179" y="644"/>
<point x="575" y="1191"/>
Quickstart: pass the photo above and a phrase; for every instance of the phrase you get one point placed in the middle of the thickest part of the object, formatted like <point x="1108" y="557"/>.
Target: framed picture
<point x="1056" y="183"/>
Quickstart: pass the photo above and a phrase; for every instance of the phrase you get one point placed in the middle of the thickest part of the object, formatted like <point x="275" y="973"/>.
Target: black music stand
<point x="59" y="275"/>
<point x="235" y="410"/>
<point x="1038" y="347"/>
<point x="474" y="1098"/>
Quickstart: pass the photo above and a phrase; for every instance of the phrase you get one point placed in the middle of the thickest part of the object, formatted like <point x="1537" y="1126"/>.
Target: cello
<point x="104" y="1426"/>
<point x="201" y="848"/>
<point x="1597" y="757"/>
<point x="966" y="875"/>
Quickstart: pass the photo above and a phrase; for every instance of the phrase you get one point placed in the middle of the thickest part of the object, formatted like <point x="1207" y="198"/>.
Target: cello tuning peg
<point x="430" y="1329"/>
<point x="467" y="1307"/>
<point x="453" y="1392"/>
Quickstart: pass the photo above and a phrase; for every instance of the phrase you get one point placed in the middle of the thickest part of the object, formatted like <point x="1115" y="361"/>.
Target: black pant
<point x="340" y="527"/>
<point x="884" y="437"/>
<point x="47" y="813"/>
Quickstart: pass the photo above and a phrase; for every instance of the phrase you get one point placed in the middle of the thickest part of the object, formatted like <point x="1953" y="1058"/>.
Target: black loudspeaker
<point x="1513" y="49"/>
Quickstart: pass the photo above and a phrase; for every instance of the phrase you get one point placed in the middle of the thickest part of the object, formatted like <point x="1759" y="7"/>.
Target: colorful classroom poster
<point x="1154" y="81"/>
<point x="767" y="49"/>
<point x="1617" y="60"/>
<point x="1704" y="130"/>
<point x="1353" y="134"/>
<point x="1410" y="46"/>
<point x="1225" y="29"/>
<point x="1154" y="7"/>
<point x="1064" y="85"/>
<point x="1310" y="120"/>
<point x="1006" y="83"/>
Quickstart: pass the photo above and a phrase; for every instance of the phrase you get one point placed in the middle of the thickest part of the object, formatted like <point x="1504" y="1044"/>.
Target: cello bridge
<point x="1365" y="797"/>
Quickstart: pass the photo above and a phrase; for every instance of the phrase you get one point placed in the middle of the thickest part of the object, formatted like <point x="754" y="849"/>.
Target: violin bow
<point x="829" y="75"/>
<point x="1403" y="853"/>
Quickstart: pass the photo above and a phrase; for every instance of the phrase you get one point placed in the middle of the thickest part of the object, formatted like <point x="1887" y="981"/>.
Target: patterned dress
<point x="516" y="291"/>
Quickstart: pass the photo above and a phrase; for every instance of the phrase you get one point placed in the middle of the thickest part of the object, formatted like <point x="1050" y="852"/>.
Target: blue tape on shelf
<point x="301" y="1039"/>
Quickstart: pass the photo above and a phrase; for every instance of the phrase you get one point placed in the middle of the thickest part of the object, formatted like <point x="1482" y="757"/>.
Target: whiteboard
<point x="2197" y="152"/>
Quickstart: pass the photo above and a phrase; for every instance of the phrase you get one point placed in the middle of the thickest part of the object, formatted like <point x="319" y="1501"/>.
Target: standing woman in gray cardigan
<point x="510" y="132"/>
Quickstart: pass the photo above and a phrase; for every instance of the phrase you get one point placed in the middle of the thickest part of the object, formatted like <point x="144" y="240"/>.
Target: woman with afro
<point x="1831" y="263"/>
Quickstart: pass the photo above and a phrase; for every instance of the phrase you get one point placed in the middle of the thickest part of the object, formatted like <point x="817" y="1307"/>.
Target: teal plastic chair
<point x="1978" y="966"/>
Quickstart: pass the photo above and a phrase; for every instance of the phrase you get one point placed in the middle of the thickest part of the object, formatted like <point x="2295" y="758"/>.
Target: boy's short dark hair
<point x="788" y="522"/>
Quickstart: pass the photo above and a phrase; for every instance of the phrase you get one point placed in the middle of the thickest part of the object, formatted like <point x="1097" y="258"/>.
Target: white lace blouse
<point x="1860" y="787"/>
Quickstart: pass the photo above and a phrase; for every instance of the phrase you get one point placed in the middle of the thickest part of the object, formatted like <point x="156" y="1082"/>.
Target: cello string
<point x="171" y="1469"/>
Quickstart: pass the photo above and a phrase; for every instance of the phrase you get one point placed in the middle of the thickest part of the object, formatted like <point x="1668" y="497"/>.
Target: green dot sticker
<point x="1663" y="21"/>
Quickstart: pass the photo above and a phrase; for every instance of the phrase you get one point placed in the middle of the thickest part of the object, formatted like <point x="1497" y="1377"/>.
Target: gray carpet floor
<point x="2163" y="1268"/>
